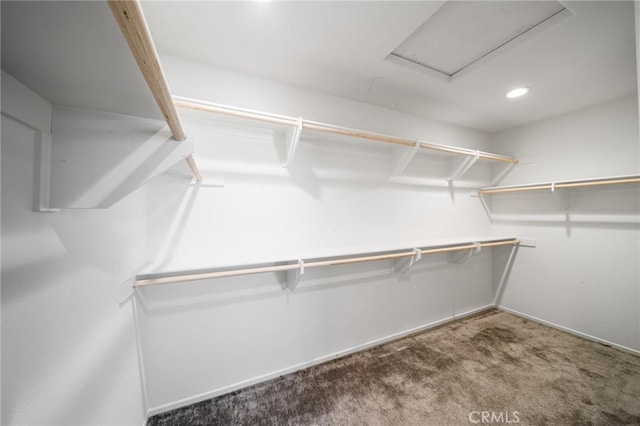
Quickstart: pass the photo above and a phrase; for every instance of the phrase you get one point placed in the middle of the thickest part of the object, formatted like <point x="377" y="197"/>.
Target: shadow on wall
<point x="187" y="296"/>
<point x="504" y="259"/>
<point x="610" y="207"/>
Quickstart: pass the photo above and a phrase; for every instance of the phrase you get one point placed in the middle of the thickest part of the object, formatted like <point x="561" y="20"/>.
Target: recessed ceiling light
<point x="516" y="93"/>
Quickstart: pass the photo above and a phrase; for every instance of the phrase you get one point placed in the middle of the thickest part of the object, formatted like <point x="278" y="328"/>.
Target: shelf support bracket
<point x="126" y="290"/>
<point x="457" y="257"/>
<point x="497" y="300"/>
<point x="293" y="275"/>
<point x="191" y="162"/>
<point x="403" y="265"/>
<point x="291" y="143"/>
<point x="401" y="157"/>
<point x="487" y="210"/>
<point x="496" y="180"/>
<point x="464" y="167"/>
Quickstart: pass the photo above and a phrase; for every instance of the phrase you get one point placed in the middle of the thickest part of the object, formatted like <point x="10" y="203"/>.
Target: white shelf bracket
<point x="403" y="265"/>
<point x="457" y="257"/>
<point x="401" y="157"/>
<point x="126" y="290"/>
<point x="464" y="167"/>
<point x="487" y="210"/>
<point x="291" y="143"/>
<point x="43" y="164"/>
<point x="497" y="300"/>
<point x="293" y="275"/>
<point x="496" y="180"/>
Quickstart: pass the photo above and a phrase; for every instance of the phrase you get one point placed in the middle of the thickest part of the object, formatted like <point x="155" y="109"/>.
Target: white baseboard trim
<point x="569" y="330"/>
<point x="245" y="383"/>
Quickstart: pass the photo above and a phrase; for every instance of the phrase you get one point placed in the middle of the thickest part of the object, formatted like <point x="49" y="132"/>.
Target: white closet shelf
<point x="299" y="124"/>
<point x="295" y="266"/>
<point x="565" y="184"/>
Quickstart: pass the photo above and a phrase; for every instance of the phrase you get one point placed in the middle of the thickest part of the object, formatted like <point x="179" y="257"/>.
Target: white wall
<point x="584" y="274"/>
<point x="68" y="347"/>
<point x="205" y="338"/>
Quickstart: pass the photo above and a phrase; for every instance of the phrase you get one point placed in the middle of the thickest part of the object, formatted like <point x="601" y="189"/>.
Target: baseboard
<point x="245" y="383"/>
<point x="569" y="330"/>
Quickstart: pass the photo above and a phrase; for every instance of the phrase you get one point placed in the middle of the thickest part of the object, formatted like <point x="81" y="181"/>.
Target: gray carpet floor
<point x="490" y="368"/>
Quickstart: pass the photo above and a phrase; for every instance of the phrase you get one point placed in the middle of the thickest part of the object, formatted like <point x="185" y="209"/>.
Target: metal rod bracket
<point x="456" y="257"/>
<point x="293" y="275"/>
<point x="403" y="265"/>
<point x="291" y="142"/>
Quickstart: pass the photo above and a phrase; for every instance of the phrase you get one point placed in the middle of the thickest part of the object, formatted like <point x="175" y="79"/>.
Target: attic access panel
<point x="464" y="33"/>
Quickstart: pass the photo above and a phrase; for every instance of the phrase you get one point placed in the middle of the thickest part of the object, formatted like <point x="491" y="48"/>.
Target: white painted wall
<point x="584" y="274"/>
<point x="206" y="338"/>
<point x="68" y="347"/>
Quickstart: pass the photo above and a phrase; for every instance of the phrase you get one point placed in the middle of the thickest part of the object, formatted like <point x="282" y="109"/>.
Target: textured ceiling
<point x="72" y="54"/>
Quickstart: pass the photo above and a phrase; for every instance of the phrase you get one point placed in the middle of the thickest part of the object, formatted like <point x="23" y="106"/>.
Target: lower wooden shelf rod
<point x="584" y="183"/>
<point x="157" y="279"/>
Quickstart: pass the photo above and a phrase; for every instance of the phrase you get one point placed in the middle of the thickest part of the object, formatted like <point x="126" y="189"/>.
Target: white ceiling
<point x="73" y="54"/>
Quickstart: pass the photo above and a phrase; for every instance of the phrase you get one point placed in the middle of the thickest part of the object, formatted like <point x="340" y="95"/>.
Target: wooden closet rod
<point x="144" y="281"/>
<point x="130" y="19"/>
<point x="561" y="185"/>
<point x="328" y="128"/>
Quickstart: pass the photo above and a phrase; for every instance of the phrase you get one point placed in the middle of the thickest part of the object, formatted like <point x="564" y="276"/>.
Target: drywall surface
<point x="209" y="337"/>
<point x="637" y="16"/>
<point x="584" y="274"/>
<point x="114" y="154"/>
<point x="68" y="346"/>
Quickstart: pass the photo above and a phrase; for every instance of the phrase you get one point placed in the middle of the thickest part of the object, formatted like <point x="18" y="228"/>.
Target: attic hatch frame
<point x="526" y="33"/>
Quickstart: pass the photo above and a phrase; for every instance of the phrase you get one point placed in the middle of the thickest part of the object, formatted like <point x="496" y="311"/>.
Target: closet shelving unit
<point x="405" y="151"/>
<point x="131" y="20"/>
<point x="404" y="258"/>
<point x="554" y="188"/>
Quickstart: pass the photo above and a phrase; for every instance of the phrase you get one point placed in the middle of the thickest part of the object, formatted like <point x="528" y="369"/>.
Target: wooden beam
<point x="134" y="28"/>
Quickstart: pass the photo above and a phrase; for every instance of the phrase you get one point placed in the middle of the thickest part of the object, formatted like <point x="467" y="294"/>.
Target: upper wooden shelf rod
<point x="561" y="185"/>
<point x="329" y="128"/>
<point x="130" y="19"/>
<point x="150" y="280"/>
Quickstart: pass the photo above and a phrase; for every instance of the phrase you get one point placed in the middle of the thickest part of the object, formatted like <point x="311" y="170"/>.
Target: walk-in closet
<point x="320" y="212"/>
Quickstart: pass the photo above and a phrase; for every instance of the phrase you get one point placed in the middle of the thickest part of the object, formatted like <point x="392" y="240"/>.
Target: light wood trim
<point x="502" y="158"/>
<point x="235" y="113"/>
<point x="327" y="128"/>
<point x="357" y="259"/>
<point x="134" y="28"/>
<point x="519" y="189"/>
<point x="208" y="275"/>
<point x="598" y="183"/>
<point x="560" y="185"/>
<point x="501" y="243"/>
<point x="357" y="134"/>
<point x="194" y="168"/>
<point x="310" y="264"/>
<point x="454" y="150"/>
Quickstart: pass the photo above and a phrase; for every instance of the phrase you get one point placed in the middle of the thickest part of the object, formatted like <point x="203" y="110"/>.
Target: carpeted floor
<point x="493" y="368"/>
